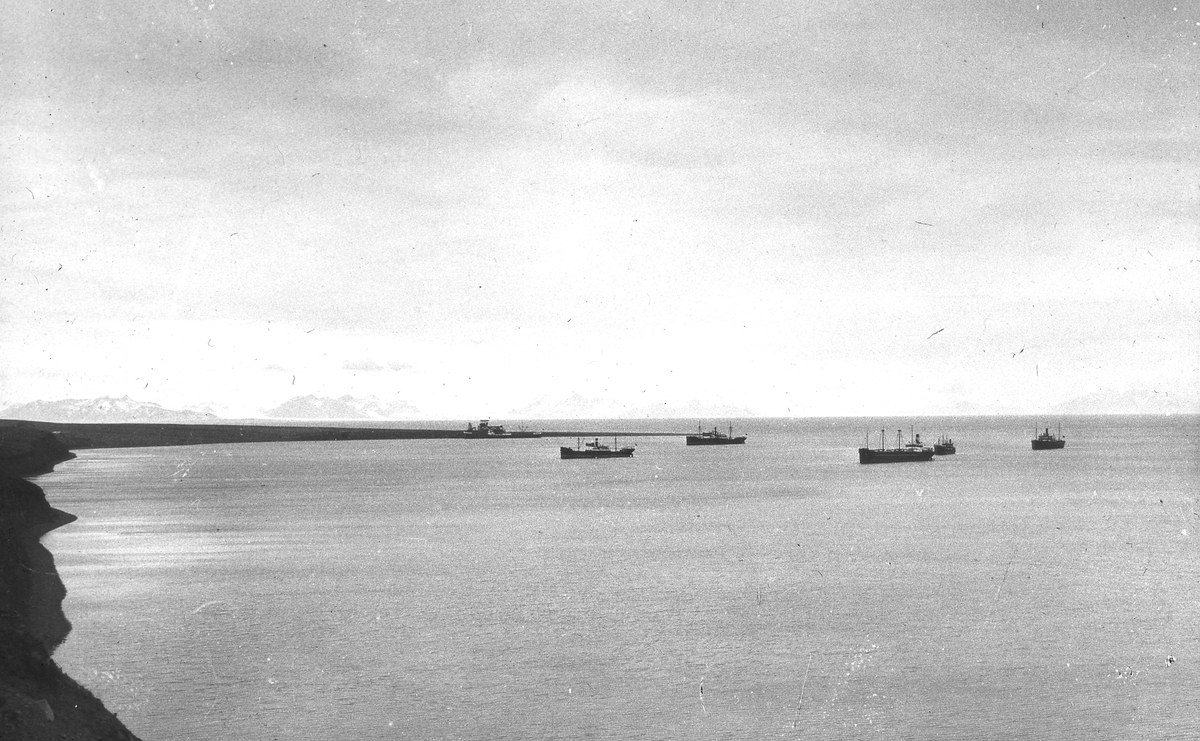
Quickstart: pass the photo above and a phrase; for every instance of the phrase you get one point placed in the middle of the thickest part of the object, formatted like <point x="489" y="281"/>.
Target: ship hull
<point x="572" y="453"/>
<point x="1048" y="444"/>
<point x="697" y="440"/>
<point x="868" y="455"/>
<point x="944" y="450"/>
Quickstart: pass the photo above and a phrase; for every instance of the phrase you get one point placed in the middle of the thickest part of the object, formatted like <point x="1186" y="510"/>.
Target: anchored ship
<point x="1047" y="440"/>
<point x="487" y="430"/>
<point x="715" y="437"/>
<point x="595" y="449"/>
<point x="914" y="450"/>
<point x="944" y="446"/>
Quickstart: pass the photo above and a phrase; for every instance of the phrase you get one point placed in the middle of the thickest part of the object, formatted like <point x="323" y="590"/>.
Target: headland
<point x="81" y="435"/>
<point x="38" y="702"/>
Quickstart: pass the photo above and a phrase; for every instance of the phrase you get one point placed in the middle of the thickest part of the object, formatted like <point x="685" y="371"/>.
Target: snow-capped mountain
<point x="582" y="407"/>
<point x="345" y="407"/>
<point x="102" y="409"/>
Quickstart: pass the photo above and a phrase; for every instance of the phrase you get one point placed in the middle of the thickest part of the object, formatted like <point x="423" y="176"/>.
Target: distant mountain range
<point x="582" y="407"/>
<point x="103" y="409"/>
<point x="344" y="407"/>
<point x="125" y="409"/>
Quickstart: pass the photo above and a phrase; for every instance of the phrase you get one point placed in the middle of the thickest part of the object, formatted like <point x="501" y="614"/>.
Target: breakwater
<point x="83" y="435"/>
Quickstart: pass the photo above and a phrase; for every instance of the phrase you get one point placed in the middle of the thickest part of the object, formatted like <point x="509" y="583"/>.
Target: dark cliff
<point x="38" y="702"/>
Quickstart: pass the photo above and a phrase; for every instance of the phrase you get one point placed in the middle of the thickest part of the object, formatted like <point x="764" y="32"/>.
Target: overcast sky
<point x="788" y="208"/>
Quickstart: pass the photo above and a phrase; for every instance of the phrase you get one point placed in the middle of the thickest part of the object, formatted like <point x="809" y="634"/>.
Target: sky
<point x="545" y="209"/>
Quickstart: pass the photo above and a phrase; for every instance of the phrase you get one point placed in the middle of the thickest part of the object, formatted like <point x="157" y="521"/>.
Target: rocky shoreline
<point x="38" y="702"/>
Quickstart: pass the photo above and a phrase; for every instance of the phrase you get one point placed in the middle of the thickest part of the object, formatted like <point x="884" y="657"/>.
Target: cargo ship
<point x="914" y="450"/>
<point x="944" y="446"/>
<point x="1047" y="440"/>
<point x="715" y="437"/>
<point x="595" y="449"/>
<point x="487" y="430"/>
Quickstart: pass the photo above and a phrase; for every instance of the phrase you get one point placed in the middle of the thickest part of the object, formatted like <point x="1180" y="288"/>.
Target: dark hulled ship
<point x="490" y="431"/>
<point x="715" y="437"/>
<point x="914" y="450"/>
<point x="1047" y="440"/>
<point x="944" y="446"/>
<point x="595" y="449"/>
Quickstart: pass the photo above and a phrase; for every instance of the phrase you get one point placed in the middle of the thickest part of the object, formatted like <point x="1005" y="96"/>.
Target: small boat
<point x="1047" y="440"/>
<point x="595" y="449"/>
<point x="914" y="450"/>
<point x="715" y="437"/>
<point x="944" y="446"/>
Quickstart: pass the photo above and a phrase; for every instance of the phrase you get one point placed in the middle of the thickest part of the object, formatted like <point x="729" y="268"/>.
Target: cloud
<point x="593" y="188"/>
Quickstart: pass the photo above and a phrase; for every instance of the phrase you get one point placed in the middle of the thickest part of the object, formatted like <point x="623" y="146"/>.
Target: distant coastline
<point x="38" y="702"/>
<point x="82" y="435"/>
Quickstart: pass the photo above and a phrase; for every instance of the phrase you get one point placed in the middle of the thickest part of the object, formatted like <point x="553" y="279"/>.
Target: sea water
<point x="486" y="589"/>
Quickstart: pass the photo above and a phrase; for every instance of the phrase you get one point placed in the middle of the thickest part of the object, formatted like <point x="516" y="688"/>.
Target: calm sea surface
<point x="449" y="589"/>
